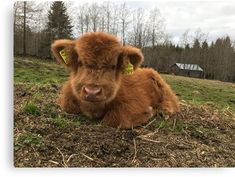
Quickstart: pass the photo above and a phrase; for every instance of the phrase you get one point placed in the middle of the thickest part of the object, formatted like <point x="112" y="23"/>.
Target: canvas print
<point x="124" y="84"/>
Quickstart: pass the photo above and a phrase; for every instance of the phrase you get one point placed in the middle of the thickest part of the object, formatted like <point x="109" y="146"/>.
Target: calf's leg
<point x="68" y="101"/>
<point x="125" y="120"/>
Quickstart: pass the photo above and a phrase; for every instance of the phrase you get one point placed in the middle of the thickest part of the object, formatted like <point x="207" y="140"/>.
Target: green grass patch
<point x="173" y="125"/>
<point x="29" y="140"/>
<point x="63" y="122"/>
<point x="30" y="70"/>
<point x="218" y="94"/>
<point x="31" y="108"/>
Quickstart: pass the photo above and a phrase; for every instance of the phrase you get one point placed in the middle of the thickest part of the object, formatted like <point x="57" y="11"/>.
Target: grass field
<point x="219" y="94"/>
<point x="201" y="135"/>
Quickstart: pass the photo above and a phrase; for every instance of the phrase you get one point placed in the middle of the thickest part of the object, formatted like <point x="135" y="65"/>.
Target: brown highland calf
<point x="100" y="86"/>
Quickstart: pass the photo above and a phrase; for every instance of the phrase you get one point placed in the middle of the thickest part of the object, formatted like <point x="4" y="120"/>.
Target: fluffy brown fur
<point x="98" y="87"/>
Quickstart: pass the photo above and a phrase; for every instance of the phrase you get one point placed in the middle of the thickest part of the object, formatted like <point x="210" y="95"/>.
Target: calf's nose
<point x="92" y="90"/>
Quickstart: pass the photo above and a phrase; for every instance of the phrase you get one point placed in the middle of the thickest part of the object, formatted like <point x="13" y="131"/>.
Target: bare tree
<point x="200" y="36"/>
<point x="17" y="8"/>
<point x="140" y="34"/>
<point x="124" y="20"/>
<point x="138" y="25"/>
<point x="108" y="15"/>
<point x="18" y="21"/>
<point x="114" y="20"/>
<point x="157" y="32"/>
<point x="24" y="29"/>
<point x="94" y="12"/>
<point x="87" y="20"/>
<point x="27" y="20"/>
<point x="81" y="19"/>
<point x="157" y="26"/>
<point x="189" y="37"/>
<point x="102" y="18"/>
<point x="185" y="38"/>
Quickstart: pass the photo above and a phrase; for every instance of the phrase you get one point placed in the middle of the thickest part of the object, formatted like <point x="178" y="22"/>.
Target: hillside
<point x="201" y="135"/>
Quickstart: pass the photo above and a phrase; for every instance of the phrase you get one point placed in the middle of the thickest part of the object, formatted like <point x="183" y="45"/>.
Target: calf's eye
<point x="80" y="63"/>
<point x="113" y="67"/>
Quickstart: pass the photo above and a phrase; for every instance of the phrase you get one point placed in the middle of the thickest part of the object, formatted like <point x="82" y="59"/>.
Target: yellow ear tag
<point x="64" y="55"/>
<point x="129" y="68"/>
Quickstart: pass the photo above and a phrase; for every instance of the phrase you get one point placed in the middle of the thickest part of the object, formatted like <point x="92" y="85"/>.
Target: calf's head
<point x="97" y="62"/>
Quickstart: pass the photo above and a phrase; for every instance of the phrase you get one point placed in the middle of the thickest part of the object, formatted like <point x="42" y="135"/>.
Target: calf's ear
<point x="133" y="56"/>
<point x="65" y="53"/>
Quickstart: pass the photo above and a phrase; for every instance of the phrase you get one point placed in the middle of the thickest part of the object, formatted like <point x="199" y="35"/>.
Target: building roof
<point x="192" y="67"/>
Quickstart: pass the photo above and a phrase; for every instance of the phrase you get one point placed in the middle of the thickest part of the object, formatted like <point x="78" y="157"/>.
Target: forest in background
<point x="37" y="25"/>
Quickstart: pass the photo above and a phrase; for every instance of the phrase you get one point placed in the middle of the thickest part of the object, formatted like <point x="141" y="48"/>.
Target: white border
<point x="6" y="129"/>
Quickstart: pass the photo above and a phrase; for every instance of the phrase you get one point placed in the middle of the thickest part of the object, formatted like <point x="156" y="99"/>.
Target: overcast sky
<point x="217" y="18"/>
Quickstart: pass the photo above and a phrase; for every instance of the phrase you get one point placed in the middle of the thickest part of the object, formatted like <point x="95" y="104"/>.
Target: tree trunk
<point x="123" y="32"/>
<point x="24" y="33"/>
<point x="108" y="22"/>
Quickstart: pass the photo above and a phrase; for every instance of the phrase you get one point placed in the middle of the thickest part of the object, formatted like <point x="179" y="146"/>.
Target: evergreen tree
<point x="58" y="26"/>
<point x="205" y="60"/>
<point x="196" y="52"/>
<point x="227" y="59"/>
